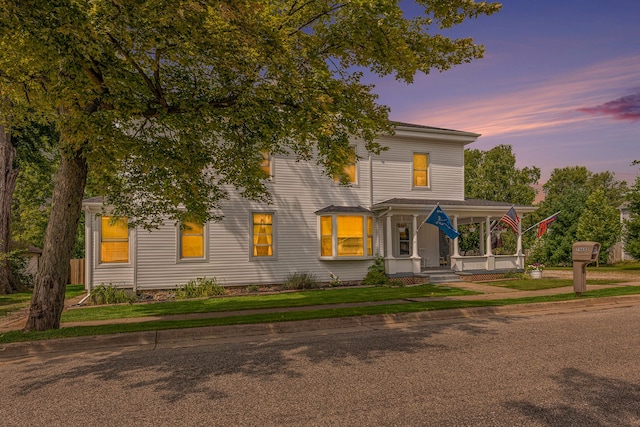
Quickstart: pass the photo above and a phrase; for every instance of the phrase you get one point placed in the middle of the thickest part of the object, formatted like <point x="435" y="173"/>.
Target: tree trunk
<point x="51" y="281"/>
<point x="8" y="176"/>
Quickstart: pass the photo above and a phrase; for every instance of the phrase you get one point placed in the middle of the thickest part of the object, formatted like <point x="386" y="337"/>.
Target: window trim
<point x="112" y="264"/>
<point x="356" y="183"/>
<point x="266" y="155"/>
<point x="413" y="171"/>
<point x="274" y="228"/>
<point x="205" y="246"/>
<point x="367" y="239"/>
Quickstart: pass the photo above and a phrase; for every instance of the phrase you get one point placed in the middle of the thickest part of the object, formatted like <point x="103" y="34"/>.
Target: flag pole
<point x="428" y="215"/>
<point x="496" y="222"/>
<point x="538" y="223"/>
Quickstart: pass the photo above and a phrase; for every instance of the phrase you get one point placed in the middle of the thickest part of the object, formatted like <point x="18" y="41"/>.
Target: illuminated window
<point x="262" y="235"/>
<point x="350" y="170"/>
<point x="192" y="240"/>
<point x="420" y="170"/>
<point x="265" y="164"/>
<point x="346" y="235"/>
<point x="114" y="240"/>
<point x="369" y="236"/>
<point x="326" y="235"/>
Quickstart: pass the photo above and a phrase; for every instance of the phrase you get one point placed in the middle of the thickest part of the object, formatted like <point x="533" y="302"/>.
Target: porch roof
<point x="343" y="209"/>
<point x="464" y="208"/>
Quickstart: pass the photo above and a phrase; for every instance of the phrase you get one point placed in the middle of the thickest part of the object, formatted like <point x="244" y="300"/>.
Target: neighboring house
<point x="313" y="225"/>
<point x="617" y="252"/>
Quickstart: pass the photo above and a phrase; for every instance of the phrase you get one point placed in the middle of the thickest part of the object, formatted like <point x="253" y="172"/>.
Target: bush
<point x="376" y="274"/>
<point x="18" y="263"/>
<point x="302" y="280"/>
<point x="109" y="294"/>
<point x="200" y="287"/>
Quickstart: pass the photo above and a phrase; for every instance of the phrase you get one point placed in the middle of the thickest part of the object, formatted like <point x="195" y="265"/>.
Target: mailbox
<point x="583" y="253"/>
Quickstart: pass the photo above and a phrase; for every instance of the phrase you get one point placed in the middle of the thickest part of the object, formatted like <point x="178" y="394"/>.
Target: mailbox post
<point x="583" y="253"/>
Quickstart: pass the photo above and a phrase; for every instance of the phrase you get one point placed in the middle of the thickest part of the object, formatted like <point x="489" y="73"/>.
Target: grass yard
<point x="20" y="300"/>
<point x="249" y="302"/>
<point x="284" y="316"/>
<point x="539" y="284"/>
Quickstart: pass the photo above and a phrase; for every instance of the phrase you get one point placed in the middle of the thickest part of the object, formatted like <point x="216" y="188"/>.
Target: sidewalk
<point x="192" y="336"/>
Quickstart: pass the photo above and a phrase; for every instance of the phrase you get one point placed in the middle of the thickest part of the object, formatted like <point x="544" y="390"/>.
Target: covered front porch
<point x="411" y="246"/>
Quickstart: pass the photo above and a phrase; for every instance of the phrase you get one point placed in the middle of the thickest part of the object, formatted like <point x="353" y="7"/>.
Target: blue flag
<point x="442" y="221"/>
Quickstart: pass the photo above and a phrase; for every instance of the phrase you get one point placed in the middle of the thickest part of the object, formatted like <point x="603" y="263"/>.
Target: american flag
<point x="542" y="227"/>
<point x="511" y="219"/>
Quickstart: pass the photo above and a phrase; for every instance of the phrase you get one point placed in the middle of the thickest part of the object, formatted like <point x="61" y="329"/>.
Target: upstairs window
<point x="420" y="170"/>
<point x="350" y="169"/>
<point x="265" y="164"/>
<point x="191" y="240"/>
<point x="114" y="240"/>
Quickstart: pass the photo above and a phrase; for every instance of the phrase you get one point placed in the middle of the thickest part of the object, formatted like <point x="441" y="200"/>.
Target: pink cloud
<point x="625" y="108"/>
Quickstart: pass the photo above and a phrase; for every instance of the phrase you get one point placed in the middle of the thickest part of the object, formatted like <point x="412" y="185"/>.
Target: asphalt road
<point x="572" y="369"/>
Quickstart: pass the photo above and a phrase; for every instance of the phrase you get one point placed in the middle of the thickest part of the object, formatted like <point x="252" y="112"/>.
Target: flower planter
<point x="536" y="274"/>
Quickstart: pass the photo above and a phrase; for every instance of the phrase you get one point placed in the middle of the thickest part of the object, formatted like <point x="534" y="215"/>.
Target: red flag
<point x="542" y="228"/>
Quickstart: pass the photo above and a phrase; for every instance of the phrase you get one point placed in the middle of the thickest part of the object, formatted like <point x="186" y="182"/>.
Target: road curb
<point x="150" y="340"/>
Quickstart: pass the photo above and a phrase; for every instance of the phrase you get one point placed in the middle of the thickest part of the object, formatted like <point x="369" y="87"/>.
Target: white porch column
<point x="456" y="247"/>
<point x="519" y="242"/>
<point x="415" y="256"/>
<point x="481" y="239"/>
<point x="389" y="245"/>
<point x="414" y="250"/>
<point x="390" y="264"/>
<point x="491" y="260"/>
<point x="519" y="254"/>
<point x="488" y="236"/>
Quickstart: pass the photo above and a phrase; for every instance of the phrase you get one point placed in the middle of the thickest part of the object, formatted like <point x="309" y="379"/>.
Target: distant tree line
<point x="589" y="205"/>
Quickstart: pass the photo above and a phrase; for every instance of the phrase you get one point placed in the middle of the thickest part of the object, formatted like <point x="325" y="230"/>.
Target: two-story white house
<point x="313" y="224"/>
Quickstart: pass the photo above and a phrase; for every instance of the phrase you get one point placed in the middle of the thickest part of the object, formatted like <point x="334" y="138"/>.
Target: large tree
<point x="170" y="104"/>
<point x="567" y="191"/>
<point x="493" y="175"/>
<point x="8" y="177"/>
<point x="632" y="226"/>
<point x="599" y="222"/>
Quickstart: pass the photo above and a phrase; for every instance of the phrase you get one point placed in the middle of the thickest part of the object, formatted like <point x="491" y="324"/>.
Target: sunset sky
<point x="560" y="82"/>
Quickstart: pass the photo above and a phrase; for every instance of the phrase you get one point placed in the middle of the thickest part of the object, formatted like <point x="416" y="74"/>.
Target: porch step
<point x="441" y="276"/>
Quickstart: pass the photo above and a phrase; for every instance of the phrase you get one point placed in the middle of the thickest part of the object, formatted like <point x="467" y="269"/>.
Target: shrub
<point x="302" y="280"/>
<point x="253" y="288"/>
<point x="109" y="294"/>
<point x="200" y="287"/>
<point x="335" y="280"/>
<point x="376" y="274"/>
<point x="18" y="263"/>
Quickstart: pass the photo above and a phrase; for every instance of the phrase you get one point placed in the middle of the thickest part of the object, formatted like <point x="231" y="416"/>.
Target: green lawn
<point x="20" y="300"/>
<point x="285" y="316"/>
<point x="539" y="284"/>
<point x="280" y="300"/>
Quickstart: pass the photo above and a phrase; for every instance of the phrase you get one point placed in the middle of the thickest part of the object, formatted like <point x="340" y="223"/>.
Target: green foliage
<point x="492" y="175"/>
<point x="109" y="294"/>
<point x="18" y="263"/>
<point x="376" y="273"/>
<point x="302" y="280"/>
<point x="335" y="280"/>
<point x="199" y="288"/>
<point x="568" y="190"/>
<point x="599" y="222"/>
<point x="153" y="100"/>
<point x="253" y="288"/>
<point x="632" y="225"/>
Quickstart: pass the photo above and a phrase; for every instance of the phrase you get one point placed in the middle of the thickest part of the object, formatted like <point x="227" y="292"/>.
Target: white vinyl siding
<point x="301" y="189"/>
